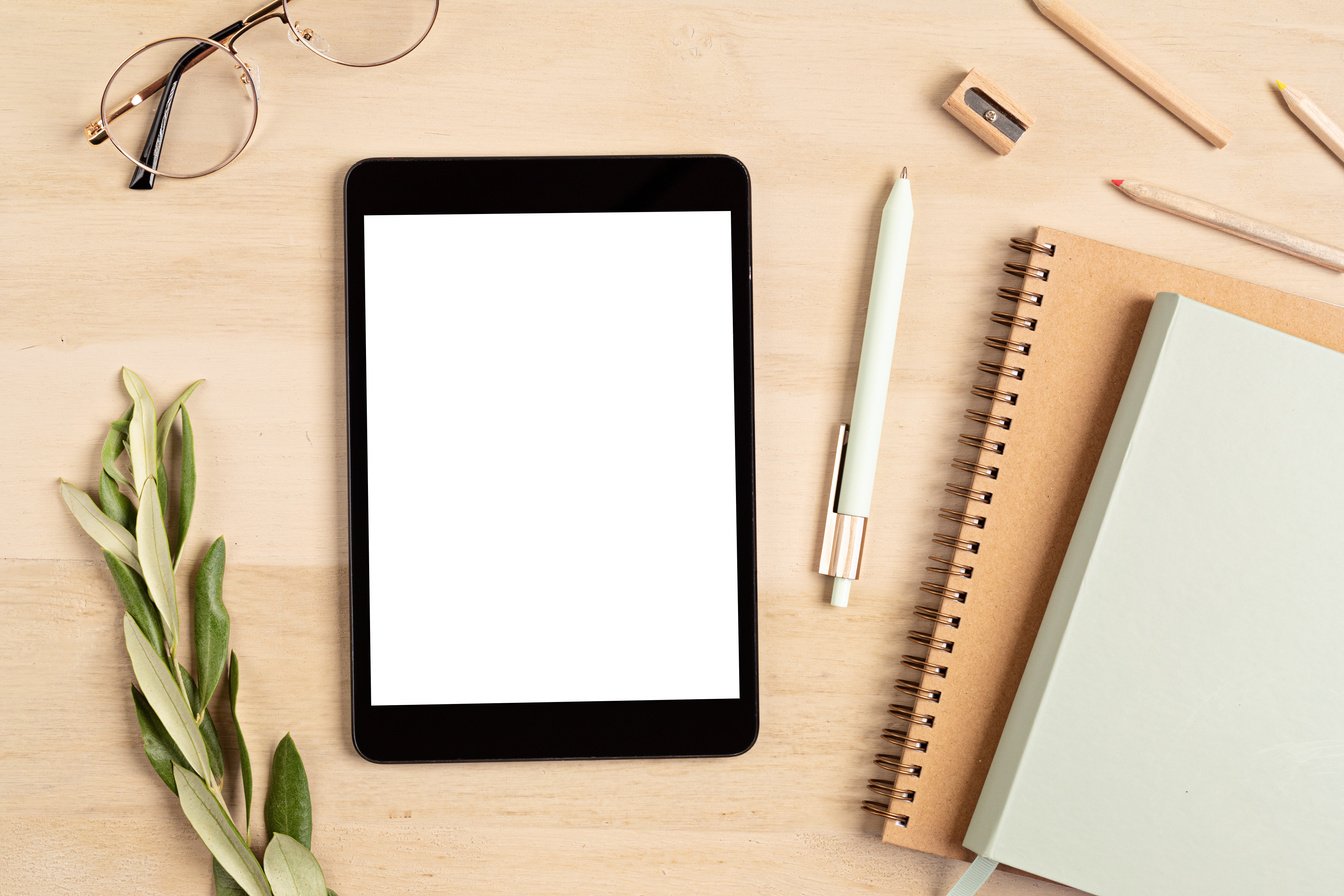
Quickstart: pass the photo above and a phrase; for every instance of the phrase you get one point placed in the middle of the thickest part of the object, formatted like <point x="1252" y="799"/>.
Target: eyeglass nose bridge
<point x="265" y="14"/>
<point x="299" y="34"/>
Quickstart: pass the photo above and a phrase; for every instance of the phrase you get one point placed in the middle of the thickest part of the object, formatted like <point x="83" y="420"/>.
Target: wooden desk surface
<point x="237" y="278"/>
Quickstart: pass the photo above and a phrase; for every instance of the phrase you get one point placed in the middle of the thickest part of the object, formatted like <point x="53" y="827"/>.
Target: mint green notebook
<point x="1180" y="724"/>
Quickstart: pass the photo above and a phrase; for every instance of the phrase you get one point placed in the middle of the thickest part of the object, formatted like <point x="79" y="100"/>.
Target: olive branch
<point x="130" y="524"/>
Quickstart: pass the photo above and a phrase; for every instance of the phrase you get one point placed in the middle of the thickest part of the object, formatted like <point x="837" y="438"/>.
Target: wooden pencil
<point x="1234" y="223"/>
<point x="1316" y="121"/>
<point x="1141" y="76"/>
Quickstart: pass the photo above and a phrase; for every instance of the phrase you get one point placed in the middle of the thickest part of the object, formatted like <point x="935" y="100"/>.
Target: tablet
<point x="549" y="374"/>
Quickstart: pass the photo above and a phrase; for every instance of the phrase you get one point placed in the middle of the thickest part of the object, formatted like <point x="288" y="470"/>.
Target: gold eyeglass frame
<point x="96" y="131"/>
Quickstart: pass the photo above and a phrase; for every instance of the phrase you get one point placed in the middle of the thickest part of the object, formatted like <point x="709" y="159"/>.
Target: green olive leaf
<point x="166" y="419"/>
<point x="244" y="760"/>
<point x="292" y="869"/>
<point x="189" y="685"/>
<point x="156" y="566"/>
<point x="217" y="831"/>
<point x="112" y="448"/>
<point x="141" y="437"/>
<point x="117" y="506"/>
<point x="161" y="477"/>
<point x="158" y="746"/>
<point x="136" y="599"/>
<point x="211" y="621"/>
<point x="207" y="724"/>
<point x="186" y="498"/>
<point x="160" y="690"/>
<point x="224" y="885"/>
<point x="211" y="738"/>
<point x="289" y="807"/>
<point x="110" y="535"/>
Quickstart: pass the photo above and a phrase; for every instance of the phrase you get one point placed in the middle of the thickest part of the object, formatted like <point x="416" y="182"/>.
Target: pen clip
<point x="842" y="536"/>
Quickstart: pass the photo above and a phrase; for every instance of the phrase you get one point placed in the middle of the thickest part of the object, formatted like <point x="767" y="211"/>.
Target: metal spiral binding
<point x="944" y="592"/>
<point x="892" y="793"/>
<point x="1027" y="270"/>
<point x="970" y="494"/>
<point x="910" y="661"/>
<point x="892" y="736"/>
<point x="880" y="809"/>
<point x="1001" y="370"/>
<point x="1008" y="345"/>
<point x="974" y="469"/>
<point x="1013" y="320"/>
<point x="1030" y="246"/>
<point x="938" y="617"/>
<point x="958" y="544"/>
<point x="885" y="788"/>
<point x="889" y="762"/>
<point x="939" y="642"/>
<point x="948" y="568"/>
<point x="956" y="516"/>
<point x="912" y="689"/>
<point x="998" y="420"/>
<point x="914" y="718"/>
<point x="998" y="395"/>
<point x="1013" y="294"/>
<point x="981" y="444"/>
<point x="932" y="643"/>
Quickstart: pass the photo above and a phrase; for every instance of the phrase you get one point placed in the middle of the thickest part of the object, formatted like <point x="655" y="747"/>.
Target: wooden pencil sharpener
<point x="988" y="112"/>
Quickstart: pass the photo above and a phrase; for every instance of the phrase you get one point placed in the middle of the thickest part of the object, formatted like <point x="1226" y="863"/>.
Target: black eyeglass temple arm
<point x="142" y="179"/>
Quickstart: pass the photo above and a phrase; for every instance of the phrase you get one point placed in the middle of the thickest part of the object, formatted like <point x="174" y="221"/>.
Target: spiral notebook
<point x="1179" y="727"/>
<point x="1060" y="351"/>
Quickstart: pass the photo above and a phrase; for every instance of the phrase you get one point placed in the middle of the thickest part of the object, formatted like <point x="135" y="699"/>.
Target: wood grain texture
<point x="236" y="278"/>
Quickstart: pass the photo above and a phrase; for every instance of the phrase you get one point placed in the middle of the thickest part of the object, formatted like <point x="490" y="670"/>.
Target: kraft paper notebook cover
<point x="1179" y="727"/>
<point x="1062" y="345"/>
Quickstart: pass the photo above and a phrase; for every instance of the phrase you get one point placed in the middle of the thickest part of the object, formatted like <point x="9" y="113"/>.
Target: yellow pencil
<point x="1316" y="121"/>
<point x="1235" y="223"/>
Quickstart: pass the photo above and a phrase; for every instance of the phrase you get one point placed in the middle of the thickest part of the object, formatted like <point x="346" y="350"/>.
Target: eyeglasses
<point x="212" y="93"/>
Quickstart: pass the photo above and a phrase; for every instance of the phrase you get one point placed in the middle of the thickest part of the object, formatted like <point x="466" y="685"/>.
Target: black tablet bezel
<point x="618" y="729"/>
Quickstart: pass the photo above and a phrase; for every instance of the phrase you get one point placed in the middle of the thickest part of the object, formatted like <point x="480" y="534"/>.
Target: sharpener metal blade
<point x="993" y="113"/>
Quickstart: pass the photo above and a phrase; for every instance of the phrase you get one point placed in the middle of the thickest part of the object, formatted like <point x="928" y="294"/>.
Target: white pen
<point x="856" y="447"/>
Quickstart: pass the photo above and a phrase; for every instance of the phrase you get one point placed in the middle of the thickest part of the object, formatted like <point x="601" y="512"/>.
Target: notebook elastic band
<point x="975" y="877"/>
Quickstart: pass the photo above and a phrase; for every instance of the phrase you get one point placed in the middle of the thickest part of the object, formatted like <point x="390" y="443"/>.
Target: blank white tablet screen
<point x="552" y="511"/>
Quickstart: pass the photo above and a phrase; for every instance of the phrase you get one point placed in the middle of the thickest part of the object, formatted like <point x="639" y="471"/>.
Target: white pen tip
<point x="904" y="173"/>
<point x="840" y="592"/>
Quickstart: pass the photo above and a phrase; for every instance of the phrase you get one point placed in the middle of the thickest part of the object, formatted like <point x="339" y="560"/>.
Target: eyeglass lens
<point x="213" y="106"/>
<point x="357" y="32"/>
